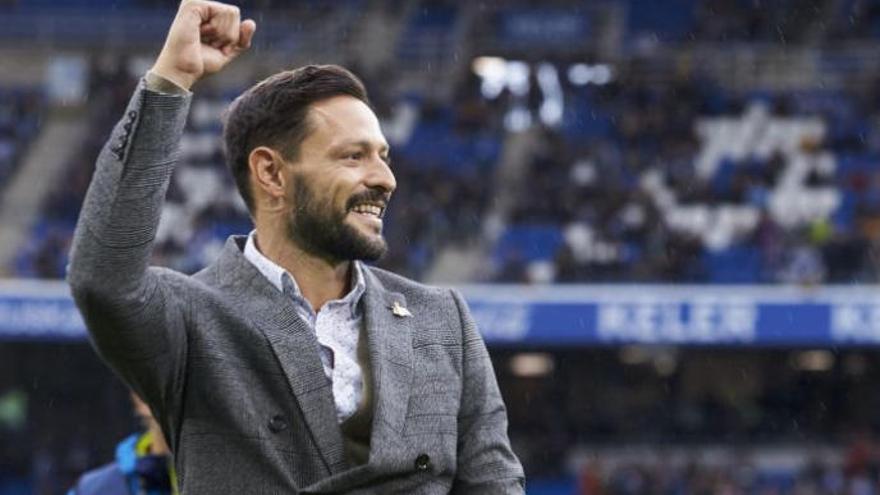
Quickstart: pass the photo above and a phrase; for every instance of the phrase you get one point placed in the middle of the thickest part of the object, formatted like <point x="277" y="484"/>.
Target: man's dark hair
<point x="274" y="113"/>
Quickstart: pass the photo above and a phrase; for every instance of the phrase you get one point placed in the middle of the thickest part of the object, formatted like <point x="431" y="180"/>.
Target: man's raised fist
<point x="204" y="37"/>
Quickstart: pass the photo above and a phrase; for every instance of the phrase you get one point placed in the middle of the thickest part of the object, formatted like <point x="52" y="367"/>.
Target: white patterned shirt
<point x="337" y="326"/>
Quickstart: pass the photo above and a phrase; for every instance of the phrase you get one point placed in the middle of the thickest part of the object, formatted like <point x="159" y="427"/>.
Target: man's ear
<point x="267" y="176"/>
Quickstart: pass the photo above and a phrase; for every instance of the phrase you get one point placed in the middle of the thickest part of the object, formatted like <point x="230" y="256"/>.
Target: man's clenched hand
<point x="204" y="37"/>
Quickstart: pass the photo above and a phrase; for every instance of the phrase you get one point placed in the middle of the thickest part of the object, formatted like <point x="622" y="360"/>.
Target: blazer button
<point x="423" y="462"/>
<point x="277" y="424"/>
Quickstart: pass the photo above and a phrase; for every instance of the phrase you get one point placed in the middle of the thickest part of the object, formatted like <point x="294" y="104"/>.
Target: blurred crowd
<point x="732" y="21"/>
<point x="441" y="153"/>
<point x="596" y="194"/>
<point x="21" y="113"/>
<point x="609" y="398"/>
<point x="856" y="473"/>
<point x="627" y="186"/>
<point x="617" y="193"/>
<point x="783" y="430"/>
<point x="45" y="255"/>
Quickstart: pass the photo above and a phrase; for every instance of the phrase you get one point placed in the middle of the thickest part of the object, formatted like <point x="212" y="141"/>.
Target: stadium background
<point x="665" y="215"/>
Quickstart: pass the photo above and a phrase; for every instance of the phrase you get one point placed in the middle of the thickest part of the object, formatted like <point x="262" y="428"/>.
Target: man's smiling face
<point x="340" y="183"/>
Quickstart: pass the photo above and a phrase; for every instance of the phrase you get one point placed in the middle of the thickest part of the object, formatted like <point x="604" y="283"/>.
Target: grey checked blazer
<point x="233" y="374"/>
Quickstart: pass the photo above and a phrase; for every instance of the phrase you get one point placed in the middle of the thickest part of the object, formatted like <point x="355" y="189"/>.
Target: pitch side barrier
<point x="576" y="315"/>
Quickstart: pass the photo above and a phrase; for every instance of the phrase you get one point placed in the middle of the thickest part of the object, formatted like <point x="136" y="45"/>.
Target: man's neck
<point x="318" y="280"/>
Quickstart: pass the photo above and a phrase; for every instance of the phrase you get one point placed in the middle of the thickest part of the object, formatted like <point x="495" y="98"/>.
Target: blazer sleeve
<point x="486" y="462"/>
<point x="135" y="314"/>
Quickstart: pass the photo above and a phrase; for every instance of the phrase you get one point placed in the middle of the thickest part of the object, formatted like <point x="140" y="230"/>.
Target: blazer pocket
<point x="431" y="424"/>
<point x="432" y="413"/>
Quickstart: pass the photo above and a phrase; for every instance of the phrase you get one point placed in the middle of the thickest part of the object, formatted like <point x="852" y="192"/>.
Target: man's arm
<point x="134" y="319"/>
<point x="486" y="463"/>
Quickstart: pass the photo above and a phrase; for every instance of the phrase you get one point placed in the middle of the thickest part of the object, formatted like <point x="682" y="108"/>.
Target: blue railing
<point x="583" y="315"/>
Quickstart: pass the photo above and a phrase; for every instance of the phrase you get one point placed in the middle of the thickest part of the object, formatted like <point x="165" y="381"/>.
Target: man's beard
<point x="321" y="231"/>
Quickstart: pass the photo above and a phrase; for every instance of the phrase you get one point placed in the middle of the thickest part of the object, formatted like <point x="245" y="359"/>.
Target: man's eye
<point x="355" y="156"/>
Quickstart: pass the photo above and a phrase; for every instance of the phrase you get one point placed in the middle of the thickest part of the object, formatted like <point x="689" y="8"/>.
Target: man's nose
<point x="381" y="176"/>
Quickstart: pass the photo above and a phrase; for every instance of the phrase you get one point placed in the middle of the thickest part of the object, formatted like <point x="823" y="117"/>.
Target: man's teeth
<point x="368" y="210"/>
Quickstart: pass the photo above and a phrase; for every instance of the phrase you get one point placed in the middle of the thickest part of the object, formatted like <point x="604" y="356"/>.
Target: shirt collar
<point x="275" y="274"/>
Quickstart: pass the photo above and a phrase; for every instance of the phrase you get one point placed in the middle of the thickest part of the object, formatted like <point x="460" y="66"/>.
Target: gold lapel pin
<point x="398" y="310"/>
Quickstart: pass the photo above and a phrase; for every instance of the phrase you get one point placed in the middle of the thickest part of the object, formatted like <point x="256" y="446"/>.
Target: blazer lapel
<point x="290" y="338"/>
<point x="389" y="339"/>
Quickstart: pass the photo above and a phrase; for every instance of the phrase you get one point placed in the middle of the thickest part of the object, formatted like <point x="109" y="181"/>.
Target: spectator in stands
<point x="142" y="466"/>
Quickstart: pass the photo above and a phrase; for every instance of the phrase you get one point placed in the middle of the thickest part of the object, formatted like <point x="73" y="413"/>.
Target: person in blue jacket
<point x="142" y="467"/>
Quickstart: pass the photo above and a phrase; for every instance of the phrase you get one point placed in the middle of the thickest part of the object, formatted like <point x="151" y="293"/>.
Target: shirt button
<point x="423" y="462"/>
<point x="277" y="423"/>
<point x="132" y="114"/>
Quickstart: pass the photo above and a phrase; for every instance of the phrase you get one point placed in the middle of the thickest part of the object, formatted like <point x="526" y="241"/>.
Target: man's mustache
<point x="377" y="196"/>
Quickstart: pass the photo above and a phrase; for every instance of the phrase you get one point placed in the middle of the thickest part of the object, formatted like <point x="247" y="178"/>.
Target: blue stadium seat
<point x="434" y="144"/>
<point x="583" y="119"/>
<point x="225" y="228"/>
<point x="529" y="242"/>
<point x="844" y="216"/>
<point x="429" y="21"/>
<point x="852" y="163"/>
<point x="735" y="265"/>
<point x="552" y="486"/>
<point x="723" y="178"/>
<point x="78" y="4"/>
<point x="670" y="20"/>
<point x="433" y="16"/>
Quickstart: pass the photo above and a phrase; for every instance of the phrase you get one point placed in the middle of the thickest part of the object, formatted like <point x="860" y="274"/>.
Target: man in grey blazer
<point x="287" y="366"/>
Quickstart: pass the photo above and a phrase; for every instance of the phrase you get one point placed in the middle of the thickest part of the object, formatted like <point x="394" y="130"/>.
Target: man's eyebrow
<point x="360" y="144"/>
